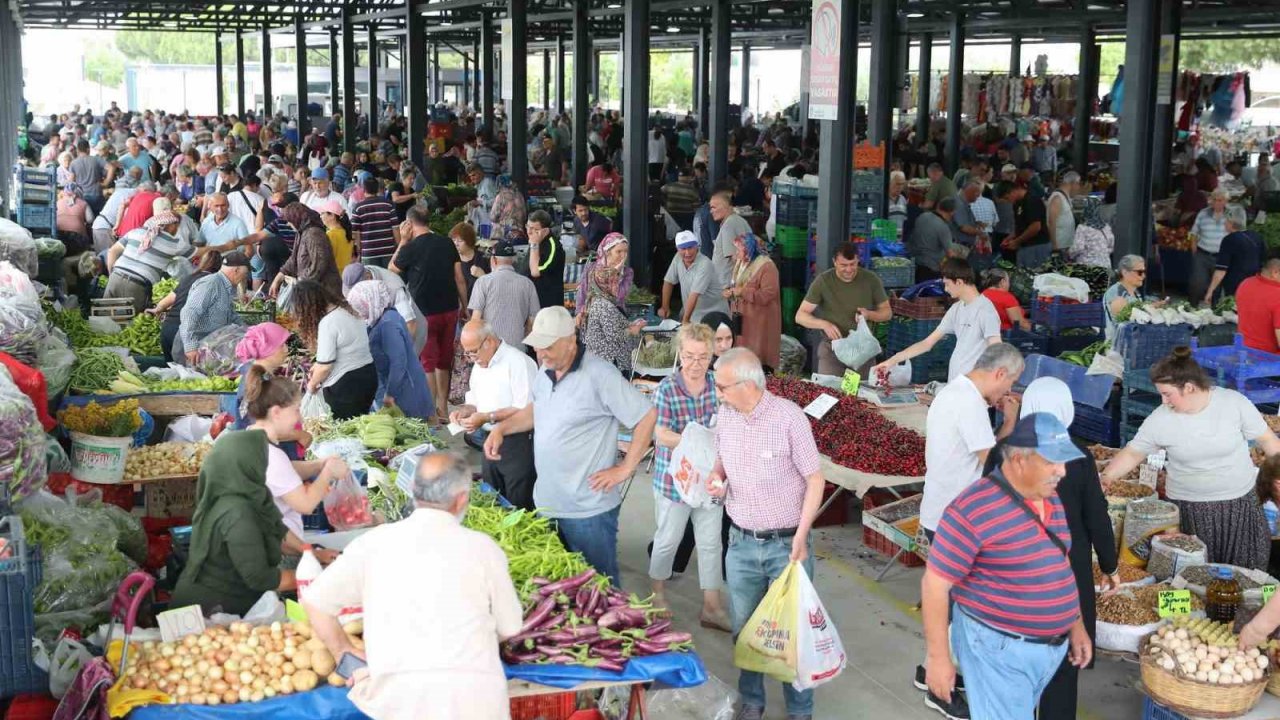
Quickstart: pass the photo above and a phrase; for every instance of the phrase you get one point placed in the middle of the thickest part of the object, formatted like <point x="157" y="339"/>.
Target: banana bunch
<point x="126" y="383"/>
<point x="378" y="432"/>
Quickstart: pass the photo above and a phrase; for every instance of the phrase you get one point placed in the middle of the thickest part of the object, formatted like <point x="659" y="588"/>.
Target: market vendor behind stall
<point x="1258" y="304"/>
<point x="210" y="305"/>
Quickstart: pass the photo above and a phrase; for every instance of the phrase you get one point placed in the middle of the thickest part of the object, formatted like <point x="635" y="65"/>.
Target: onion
<point x="213" y="699"/>
<point x="167" y="651"/>
<point x="269" y="692"/>
<point x="230" y="696"/>
<point x="244" y="694"/>
<point x="288" y="669"/>
<point x="232" y="665"/>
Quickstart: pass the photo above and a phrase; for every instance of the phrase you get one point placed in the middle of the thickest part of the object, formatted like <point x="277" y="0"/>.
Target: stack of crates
<point x="797" y="209"/>
<point x="865" y="201"/>
<point x="1138" y="399"/>
<point x="1252" y="373"/>
<point x="912" y="322"/>
<point x="19" y="575"/>
<point x="1052" y="316"/>
<point x="36" y="195"/>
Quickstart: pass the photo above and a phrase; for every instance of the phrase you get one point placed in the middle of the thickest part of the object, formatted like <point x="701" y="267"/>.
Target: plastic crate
<point x="867" y="181"/>
<point x="934" y="365"/>
<point x="1216" y="335"/>
<point x="1142" y="345"/>
<point x="793" y="273"/>
<point x="860" y="220"/>
<point x="19" y="575"/>
<point x="1028" y="342"/>
<point x="793" y="242"/>
<point x="876" y="533"/>
<point x="795" y="211"/>
<point x="1237" y="361"/>
<point x="1138" y="380"/>
<point x="37" y="217"/>
<point x="791" y="188"/>
<point x="1059" y="344"/>
<point x="922" y="308"/>
<point x="904" y="332"/>
<point x="552" y="706"/>
<point x="894" y="276"/>
<point x="1056" y="315"/>
<point x="1097" y="425"/>
<point x="1092" y="390"/>
<point x="1151" y="710"/>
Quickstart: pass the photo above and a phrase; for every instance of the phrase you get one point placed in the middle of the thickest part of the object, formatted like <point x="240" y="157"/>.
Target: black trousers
<point x="513" y="476"/>
<point x="352" y="395"/>
<point x="1058" y="701"/>
<point x="168" y="331"/>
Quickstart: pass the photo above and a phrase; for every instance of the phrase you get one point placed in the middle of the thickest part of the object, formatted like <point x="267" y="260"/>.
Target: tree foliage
<point x="103" y="65"/>
<point x="1206" y="55"/>
<point x="180" y="48"/>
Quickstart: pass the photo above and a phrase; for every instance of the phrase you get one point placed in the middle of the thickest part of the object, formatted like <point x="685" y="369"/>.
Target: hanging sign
<point x="1165" y="69"/>
<point x="508" y="54"/>
<point x="824" y="60"/>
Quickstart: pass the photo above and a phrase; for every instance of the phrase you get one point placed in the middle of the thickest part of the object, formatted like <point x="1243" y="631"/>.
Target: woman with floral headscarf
<point x="312" y="255"/>
<point x="508" y="212"/>
<point x="401" y="380"/>
<point x="1094" y="240"/>
<point x="602" y="301"/>
<point x="756" y="296"/>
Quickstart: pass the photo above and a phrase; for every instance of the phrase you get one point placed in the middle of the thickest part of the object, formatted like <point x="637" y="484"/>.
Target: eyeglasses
<point x="694" y="359"/>
<point x="1142" y="271"/>
<point x="474" y="354"/>
<point x="725" y="388"/>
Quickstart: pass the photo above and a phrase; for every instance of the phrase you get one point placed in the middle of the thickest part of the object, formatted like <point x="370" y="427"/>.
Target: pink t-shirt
<point x="601" y="182"/>
<point x="281" y="480"/>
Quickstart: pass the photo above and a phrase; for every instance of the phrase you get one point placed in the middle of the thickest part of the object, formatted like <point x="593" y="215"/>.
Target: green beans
<point x="95" y="370"/>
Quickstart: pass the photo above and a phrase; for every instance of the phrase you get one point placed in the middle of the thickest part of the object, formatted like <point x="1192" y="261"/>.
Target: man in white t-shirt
<point x="972" y="319"/>
<point x="958" y="438"/>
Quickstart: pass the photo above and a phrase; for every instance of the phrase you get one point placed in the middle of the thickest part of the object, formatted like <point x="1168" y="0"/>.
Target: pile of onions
<point x="239" y="663"/>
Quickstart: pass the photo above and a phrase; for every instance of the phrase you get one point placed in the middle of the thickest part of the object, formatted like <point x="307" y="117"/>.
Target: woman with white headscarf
<point x="401" y="379"/>
<point x="1080" y="491"/>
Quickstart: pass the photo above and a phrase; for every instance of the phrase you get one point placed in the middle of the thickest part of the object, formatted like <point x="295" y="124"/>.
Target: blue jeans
<point x="1003" y="676"/>
<point x="752" y="565"/>
<point x="596" y="537"/>
<point x="1034" y="256"/>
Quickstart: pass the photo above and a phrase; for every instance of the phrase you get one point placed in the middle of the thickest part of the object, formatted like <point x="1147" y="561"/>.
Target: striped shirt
<point x="210" y="305"/>
<point x="676" y="409"/>
<point x="1004" y="569"/>
<point x="506" y="300"/>
<point x="984" y="213"/>
<point x="1209" y="230"/>
<point x="373" y="218"/>
<point x="766" y="457"/>
<point x="152" y="264"/>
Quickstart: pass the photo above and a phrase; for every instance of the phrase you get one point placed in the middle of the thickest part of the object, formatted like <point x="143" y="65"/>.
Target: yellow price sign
<point x="1173" y="602"/>
<point x="1267" y="592"/>
<point x="850" y="382"/>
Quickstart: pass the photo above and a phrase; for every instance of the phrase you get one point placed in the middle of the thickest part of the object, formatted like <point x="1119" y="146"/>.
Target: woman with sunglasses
<point x="1131" y="274"/>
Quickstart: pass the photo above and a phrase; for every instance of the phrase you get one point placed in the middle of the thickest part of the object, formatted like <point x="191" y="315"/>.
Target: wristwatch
<point x="492" y="419"/>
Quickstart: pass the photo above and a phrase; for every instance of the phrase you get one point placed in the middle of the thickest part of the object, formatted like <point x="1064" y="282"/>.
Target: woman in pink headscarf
<point x="602" y="303"/>
<point x="267" y="344"/>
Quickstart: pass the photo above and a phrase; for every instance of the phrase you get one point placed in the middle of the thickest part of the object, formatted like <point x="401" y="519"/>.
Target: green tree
<point x="103" y="65"/>
<point x="181" y="48"/>
<point x="671" y="80"/>
<point x="1202" y="56"/>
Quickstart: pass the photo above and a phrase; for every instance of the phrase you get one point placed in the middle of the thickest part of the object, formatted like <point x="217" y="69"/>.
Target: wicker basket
<point x="1273" y="684"/>
<point x="1195" y="698"/>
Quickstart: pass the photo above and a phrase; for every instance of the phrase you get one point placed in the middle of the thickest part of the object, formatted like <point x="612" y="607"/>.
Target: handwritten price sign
<point x="1173" y="602"/>
<point x="1267" y="592"/>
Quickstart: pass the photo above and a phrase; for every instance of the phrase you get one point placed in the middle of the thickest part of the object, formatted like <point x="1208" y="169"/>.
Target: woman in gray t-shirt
<point x="1205" y="431"/>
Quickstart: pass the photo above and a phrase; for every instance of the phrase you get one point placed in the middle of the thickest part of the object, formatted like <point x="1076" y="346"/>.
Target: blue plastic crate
<point x="1028" y="342"/>
<point x="1216" y="335"/>
<point x="1056" y="315"/>
<point x="903" y="333"/>
<point x="1139" y="380"/>
<point x="865" y="181"/>
<point x="1097" y="425"/>
<point x="795" y="211"/>
<point x="37" y="217"/>
<point x="19" y="575"/>
<point x="895" y="276"/>
<point x="1059" y="343"/>
<point x="790" y="188"/>
<point x="1143" y="345"/>
<point x="1237" y="361"/>
<point x="1092" y="390"/>
<point x="1151" y="710"/>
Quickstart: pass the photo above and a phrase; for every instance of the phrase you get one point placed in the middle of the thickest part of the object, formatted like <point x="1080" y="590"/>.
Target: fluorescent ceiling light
<point x="915" y="15"/>
<point x="673" y="29"/>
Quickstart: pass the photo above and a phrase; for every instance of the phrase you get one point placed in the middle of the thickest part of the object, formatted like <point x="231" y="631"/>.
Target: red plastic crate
<point x="837" y="514"/>
<point x="554" y="706"/>
<point x="32" y="706"/>
<point x="878" y="542"/>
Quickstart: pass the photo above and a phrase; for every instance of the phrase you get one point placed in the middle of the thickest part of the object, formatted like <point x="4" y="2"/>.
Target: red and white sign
<point x="824" y="60"/>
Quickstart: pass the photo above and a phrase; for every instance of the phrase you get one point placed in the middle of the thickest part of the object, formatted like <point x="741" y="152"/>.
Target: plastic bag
<point x="55" y="458"/>
<point x="1143" y="520"/>
<point x="284" y="299"/>
<point x="1055" y="285"/>
<point x="1109" y="363"/>
<point x="55" y="359"/>
<point x="820" y="655"/>
<point x="347" y="505"/>
<point x="791" y="357"/>
<point x="859" y="347"/>
<point x="67" y="659"/>
<point x="888" y="248"/>
<point x="1167" y="560"/>
<point x="268" y="609"/>
<point x="314" y="406"/>
<point x="174" y="371"/>
<point x="22" y="441"/>
<point x="767" y="643"/>
<point x="18" y="247"/>
<point x="712" y="700"/>
<point x="691" y="462"/>
<point x="22" y="328"/>
<point x="188" y="428"/>
<point x="104" y="325"/>
<point x="899" y="376"/>
<point x="217" y="351"/>
<point x="31" y="383"/>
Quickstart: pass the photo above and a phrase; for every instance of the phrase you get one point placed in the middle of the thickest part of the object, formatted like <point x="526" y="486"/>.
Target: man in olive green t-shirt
<point x="835" y="300"/>
<point x="941" y="187"/>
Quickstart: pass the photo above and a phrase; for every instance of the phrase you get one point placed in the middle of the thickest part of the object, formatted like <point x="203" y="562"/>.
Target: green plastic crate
<point x="793" y="243"/>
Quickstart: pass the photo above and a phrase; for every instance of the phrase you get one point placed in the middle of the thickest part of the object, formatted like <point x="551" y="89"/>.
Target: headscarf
<point x="75" y="192"/>
<point x="301" y="217"/>
<point x="756" y="258"/>
<point x="261" y="341"/>
<point x="611" y="282"/>
<point x="352" y="274"/>
<point x="1049" y="395"/>
<point x="369" y="299"/>
<point x="156" y="225"/>
<point x="1092" y="218"/>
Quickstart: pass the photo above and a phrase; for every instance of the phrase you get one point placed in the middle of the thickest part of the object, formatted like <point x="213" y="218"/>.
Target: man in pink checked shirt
<point x="769" y="475"/>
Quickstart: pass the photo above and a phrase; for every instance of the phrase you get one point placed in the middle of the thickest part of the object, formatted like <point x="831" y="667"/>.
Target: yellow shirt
<point x="341" y="246"/>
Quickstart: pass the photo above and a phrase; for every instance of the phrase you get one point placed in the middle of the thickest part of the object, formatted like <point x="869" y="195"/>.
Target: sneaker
<point x="749" y="712"/>
<point x="957" y="709"/>
<point x="923" y="686"/>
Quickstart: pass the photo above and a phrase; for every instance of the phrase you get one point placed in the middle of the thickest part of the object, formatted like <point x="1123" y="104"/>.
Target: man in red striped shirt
<point x="1000" y="555"/>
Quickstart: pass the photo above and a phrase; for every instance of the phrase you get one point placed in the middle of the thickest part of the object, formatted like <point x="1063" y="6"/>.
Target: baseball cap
<point x="504" y="249"/>
<point x="275" y="159"/>
<point x="333" y="207"/>
<point x="227" y="168"/>
<point x="218" y="150"/>
<point x="1008" y="168"/>
<point x="235" y="258"/>
<point x="1027" y="138"/>
<point x="319" y="174"/>
<point x="686" y="239"/>
<point x="1046" y="435"/>
<point x="550" y="325"/>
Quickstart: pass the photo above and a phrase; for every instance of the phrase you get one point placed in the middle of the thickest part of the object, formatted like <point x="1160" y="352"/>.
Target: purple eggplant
<point x="670" y="638"/>
<point x="610" y="665"/>
<point x="540" y="581"/>
<point x="552" y="622"/>
<point x="568" y="584"/>
<point x="521" y="658"/>
<point x="606" y="653"/>
<point x="550" y="650"/>
<point x="658" y="627"/>
<point x="649" y="648"/>
<point x="538" y="615"/>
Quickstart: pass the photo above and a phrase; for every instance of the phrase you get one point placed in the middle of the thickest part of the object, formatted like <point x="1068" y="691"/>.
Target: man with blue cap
<point x="998" y="567"/>
<point x="700" y="291"/>
<point x="321" y="193"/>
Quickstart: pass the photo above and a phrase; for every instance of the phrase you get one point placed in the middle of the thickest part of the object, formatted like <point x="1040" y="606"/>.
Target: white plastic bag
<point x="314" y="406"/>
<point x="284" y="299"/>
<point x="174" y="371"/>
<point x="68" y="657"/>
<point x="188" y="428"/>
<point x="691" y="462"/>
<point x="1055" y="285"/>
<point x="268" y="609"/>
<point x="1109" y="363"/>
<point x="859" y="347"/>
<point x="899" y="376"/>
<point x="820" y="655"/>
<point x="104" y="325"/>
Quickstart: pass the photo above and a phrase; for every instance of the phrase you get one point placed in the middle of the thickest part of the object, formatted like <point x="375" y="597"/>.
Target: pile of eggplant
<point x="583" y="620"/>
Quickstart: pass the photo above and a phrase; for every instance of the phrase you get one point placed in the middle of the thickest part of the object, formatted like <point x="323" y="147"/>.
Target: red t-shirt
<point x="1258" y="305"/>
<point x="604" y="183"/>
<point x="1003" y="300"/>
<point x="138" y="211"/>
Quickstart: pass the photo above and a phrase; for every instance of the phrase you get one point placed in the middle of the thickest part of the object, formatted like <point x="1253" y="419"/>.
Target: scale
<point x="119" y="310"/>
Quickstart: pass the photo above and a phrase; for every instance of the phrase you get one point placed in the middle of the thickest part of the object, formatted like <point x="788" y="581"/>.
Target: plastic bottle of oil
<point x="1223" y="596"/>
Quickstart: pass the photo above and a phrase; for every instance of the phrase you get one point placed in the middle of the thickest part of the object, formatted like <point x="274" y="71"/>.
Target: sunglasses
<point x="1139" y="272"/>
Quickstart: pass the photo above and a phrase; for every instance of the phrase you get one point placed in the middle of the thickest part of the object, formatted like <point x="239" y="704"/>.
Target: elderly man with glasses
<point x="500" y="383"/>
<point x="221" y="228"/>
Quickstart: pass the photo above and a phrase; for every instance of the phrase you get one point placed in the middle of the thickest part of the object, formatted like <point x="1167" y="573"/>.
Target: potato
<point x="305" y="680"/>
<point x="336" y="680"/>
<point x="302" y="629"/>
<point x="314" y="644"/>
<point x="355" y="627"/>
<point x="322" y="662"/>
<point x="302" y="661"/>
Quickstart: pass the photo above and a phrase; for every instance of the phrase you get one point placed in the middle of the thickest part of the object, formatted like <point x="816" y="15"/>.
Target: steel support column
<point x="217" y="72"/>
<point x="475" y="78"/>
<point x="1162" y="136"/>
<point x="466" y="81"/>
<point x="415" y="87"/>
<point x="300" y="77"/>
<point x="1132" y="223"/>
<point x="595" y="75"/>
<point x="546" y="81"/>
<point x="517" y="124"/>
<point x="487" y="40"/>
<point x="926" y="79"/>
<point x="955" y="93"/>
<point x="371" y="109"/>
<point x="1086" y="93"/>
<point x="334" y="74"/>
<point x="348" y="80"/>
<point x="836" y="144"/>
<point x="561" y="75"/>
<point x="437" y="83"/>
<point x="581" y="155"/>
<point x="637" y="219"/>
<point x="700" y="85"/>
<point x="884" y="83"/>
<point x="240" y="106"/>
<point x="1015" y="54"/>
<point x="268" y="104"/>
<point x="718" y="128"/>
<point x="746" y="76"/>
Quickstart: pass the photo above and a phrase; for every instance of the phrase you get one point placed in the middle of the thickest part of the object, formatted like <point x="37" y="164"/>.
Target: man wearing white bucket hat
<point x="700" y="291"/>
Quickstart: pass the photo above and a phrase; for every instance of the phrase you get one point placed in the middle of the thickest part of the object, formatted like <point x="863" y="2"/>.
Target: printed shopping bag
<point x="691" y="462"/>
<point x="767" y="643"/>
<point x="819" y="653"/>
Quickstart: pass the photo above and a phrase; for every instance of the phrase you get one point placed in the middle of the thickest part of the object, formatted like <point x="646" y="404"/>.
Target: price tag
<point x="180" y="622"/>
<point x="455" y="428"/>
<point x="820" y="406"/>
<point x="850" y="382"/>
<point x="1173" y="602"/>
<point x="1267" y="592"/>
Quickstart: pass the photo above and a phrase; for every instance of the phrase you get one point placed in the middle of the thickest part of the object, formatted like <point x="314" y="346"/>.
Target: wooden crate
<point x="179" y="404"/>
<point x="171" y="497"/>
